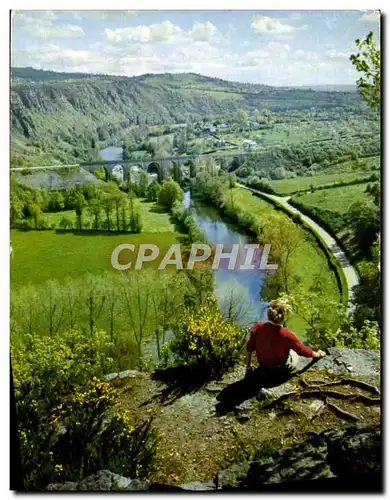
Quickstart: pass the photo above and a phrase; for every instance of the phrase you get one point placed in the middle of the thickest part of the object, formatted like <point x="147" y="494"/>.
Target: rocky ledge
<point x="319" y="429"/>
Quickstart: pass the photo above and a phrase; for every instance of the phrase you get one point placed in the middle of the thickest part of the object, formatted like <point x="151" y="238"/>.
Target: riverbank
<point x="309" y="262"/>
<point x="346" y="273"/>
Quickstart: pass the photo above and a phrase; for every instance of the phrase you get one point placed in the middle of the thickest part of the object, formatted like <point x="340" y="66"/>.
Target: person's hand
<point x="319" y="354"/>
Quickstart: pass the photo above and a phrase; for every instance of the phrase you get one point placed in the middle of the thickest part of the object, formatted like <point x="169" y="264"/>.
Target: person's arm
<point x="250" y="347"/>
<point x="248" y="360"/>
<point x="297" y="346"/>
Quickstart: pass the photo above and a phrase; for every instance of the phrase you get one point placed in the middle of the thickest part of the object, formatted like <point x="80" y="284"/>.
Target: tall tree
<point x="95" y="210"/>
<point x="143" y="181"/>
<point x="368" y="62"/>
<point x="52" y="304"/>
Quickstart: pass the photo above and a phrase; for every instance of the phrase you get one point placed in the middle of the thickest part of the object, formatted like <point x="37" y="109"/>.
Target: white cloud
<point x="203" y="31"/>
<point x="56" y="32"/>
<point x="162" y="32"/>
<point x="155" y="32"/>
<point x="256" y="58"/>
<point x="338" y="56"/>
<point x="371" y="17"/>
<point x="34" y="16"/>
<point x="42" y="24"/>
<point x="104" y="15"/>
<point x="265" y="25"/>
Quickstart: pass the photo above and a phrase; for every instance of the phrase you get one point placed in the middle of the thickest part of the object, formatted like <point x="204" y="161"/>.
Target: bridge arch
<point x="118" y="172"/>
<point x="155" y="168"/>
<point x="133" y="170"/>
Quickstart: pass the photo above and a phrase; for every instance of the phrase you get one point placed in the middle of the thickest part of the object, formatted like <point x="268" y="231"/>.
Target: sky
<point x="269" y="47"/>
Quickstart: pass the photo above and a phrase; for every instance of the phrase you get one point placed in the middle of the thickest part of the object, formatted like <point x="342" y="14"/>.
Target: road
<point x="349" y="271"/>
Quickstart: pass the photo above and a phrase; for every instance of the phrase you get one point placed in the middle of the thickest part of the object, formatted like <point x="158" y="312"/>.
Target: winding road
<point x="349" y="271"/>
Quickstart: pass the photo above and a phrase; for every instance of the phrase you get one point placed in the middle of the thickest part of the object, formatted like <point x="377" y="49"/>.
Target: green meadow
<point x="288" y="186"/>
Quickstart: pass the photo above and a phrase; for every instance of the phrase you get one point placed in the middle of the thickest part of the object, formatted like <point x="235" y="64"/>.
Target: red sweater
<point x="272" y="344"/>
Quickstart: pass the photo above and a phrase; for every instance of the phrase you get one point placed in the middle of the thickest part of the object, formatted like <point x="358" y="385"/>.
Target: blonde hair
<point x="278" y="311"/>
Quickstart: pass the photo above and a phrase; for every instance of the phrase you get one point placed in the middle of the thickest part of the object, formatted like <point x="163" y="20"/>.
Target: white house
<point x="209" y="127"/>
<point x="249" y="144"/>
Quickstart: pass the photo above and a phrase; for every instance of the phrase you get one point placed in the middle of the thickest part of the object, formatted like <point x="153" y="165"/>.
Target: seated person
<point x="276" y="347"/>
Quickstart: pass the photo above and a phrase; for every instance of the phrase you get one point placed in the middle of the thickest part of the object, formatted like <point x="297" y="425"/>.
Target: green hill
<point x="56" y="116"/>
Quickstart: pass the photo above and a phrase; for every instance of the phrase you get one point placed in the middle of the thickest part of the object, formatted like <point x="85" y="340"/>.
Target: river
<point x="236" y="289"/>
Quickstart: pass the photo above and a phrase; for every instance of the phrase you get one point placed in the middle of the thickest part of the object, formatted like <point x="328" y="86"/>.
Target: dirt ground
<point x="197" y="441"/>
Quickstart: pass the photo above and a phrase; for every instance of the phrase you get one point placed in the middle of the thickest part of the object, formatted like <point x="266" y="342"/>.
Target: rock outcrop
<point x="233" y="433"/>
<point x="351" y="456"/>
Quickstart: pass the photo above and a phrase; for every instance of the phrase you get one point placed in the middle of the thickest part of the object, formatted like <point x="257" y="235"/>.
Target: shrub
<point x="169" y="193"/>
<point x="67" y="428"/>
<point x="205" y="338"/>
<point x="99" y="435"/>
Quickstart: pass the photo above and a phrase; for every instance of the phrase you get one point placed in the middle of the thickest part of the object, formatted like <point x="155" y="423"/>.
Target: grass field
<point x="309" y="261"/>
<point x="288" y="186"/>
<point x="42" y="255"/>
<point x="155" y="219"/>
<point x="338" y="199"/>
<point x="39" y="256"/>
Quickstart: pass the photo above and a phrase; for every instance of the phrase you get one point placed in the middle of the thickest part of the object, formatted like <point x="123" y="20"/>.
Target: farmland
<point x="290" y="186"/>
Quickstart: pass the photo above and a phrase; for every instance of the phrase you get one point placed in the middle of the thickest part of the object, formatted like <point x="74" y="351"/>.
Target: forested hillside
<point x="55" y="119"/>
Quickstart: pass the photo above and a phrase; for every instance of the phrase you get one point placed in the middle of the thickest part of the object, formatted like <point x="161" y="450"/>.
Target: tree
<point x="367" y="295"/>
<point x="35" y="211"/>
<point x="66" y="223"/>
<point x="143" y="181"/>
<point x="364" y="219"/>
<point x="79" y="208"/>
<point x="278" y="173"/>
<point x="368" y="62"/>
<point x="57" y="202"/>
<point x="153" y="191"/>
<point x="285" y="238"/>
<point x="113" y="304"/>
<point x="94" y="295"/>
<point x="266" y="116"/>
<point x="26" y="307"/>
<point x="107" y="199"/>
<point x="16" y="210"/>
<point x="71" y="298"/>
<point x="327" y="325"/>
<point x="241" y="117"/>
<point x="95" y="210"/>
<point x="118" y="200"/>
<point x="167" y="298"/>
<point x="53" y="308"/>
<point x="170" y="192"/>
<point x="136" y="290"/>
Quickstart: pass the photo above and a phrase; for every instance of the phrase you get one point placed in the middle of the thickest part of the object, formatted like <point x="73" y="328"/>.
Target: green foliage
<point x="204" y="337"/>
<point x="188" y="220"/>
<point x="367" y="295"/>
<point x="210" y="188"/>
<point x="241" y="116"/>
<point x="368" y="62"/>
<point x="84" y="112"/>
<point x="142" y="183"/>
<point x="286" y="239"/>
<point x="364" y="219"/>
<point x="321" y="314"/>
<point x="67" y="429"/>
<point x="170" y="192"/>
<point x="99" y="434"/>
<point x="153" y="191"/>
<point x="260" y="184"/>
